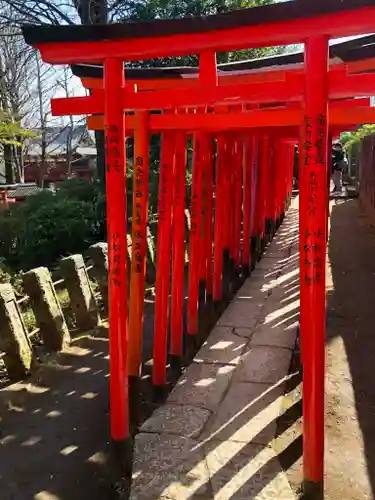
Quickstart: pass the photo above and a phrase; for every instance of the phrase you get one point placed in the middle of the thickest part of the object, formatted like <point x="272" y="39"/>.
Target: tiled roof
<point x="57" y="139"/>
<point x="23" y="191"/>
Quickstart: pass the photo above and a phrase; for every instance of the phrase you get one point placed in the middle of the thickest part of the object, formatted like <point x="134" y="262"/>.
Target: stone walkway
<point x="213" y="439"/>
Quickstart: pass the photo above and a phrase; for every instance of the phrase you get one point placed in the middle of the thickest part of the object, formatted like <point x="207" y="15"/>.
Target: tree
<point x="10" y="131"/>
<point x="63" y="82"/>
<point x="12" y="73"/>
<point x="26" y="87"/>
<point x="164" y="9"/>
<point x="350" y="139"/>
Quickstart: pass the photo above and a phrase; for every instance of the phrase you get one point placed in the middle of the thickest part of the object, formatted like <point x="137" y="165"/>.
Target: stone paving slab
<point x="247" y="413"/>
<point x="183" y="420"/>
<point x="167" y="466"/>
<point x="244" y="332"/>
<point x="256" y="288"/>
<point x="260" y="286"/>
<point x="279" y="313"/>
<point x="264" y="364"/>
<point x="278" y="336"/>
<point x="267" y="275"/>
<point x="222" y="346"/>
<point x="274" y="265"/>
<point x="242" y="314"/>
<point x="213" y="438"/>
<point x="202" y="385"/>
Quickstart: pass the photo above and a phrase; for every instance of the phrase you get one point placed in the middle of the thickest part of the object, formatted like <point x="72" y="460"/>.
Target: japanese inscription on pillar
<point x="165" y="184"/>
<point x="314" y="160"/>
<point x="114" y="169"/>
<point x="112" y="143"/>
<point x="140" y="210"/>
<point x="116" y="263"/>
<point x="179" y="173"/>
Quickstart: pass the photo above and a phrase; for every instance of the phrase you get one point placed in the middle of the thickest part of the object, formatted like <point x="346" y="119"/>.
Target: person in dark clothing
<point x="338" y="161"/>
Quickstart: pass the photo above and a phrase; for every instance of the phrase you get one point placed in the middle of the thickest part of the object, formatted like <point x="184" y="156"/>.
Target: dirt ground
<point x="350" y="362"/>
<point x="54" y="427"/>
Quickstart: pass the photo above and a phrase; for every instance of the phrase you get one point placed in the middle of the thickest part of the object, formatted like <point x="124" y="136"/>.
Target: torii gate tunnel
<point x="244" y="125"/>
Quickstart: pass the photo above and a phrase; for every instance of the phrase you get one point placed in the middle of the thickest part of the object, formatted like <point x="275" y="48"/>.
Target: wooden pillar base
<point x="192" y="345"/>
<point x="176" y="365"/>
<point x="312" y="490"/>
<point x="123" y="454"/>
<point x="245" y="271"/>
<point x="226" y="274"/>
<point x="134" y="402"/>
<point x="202" y="292"/>
<point x="159" y="393"/>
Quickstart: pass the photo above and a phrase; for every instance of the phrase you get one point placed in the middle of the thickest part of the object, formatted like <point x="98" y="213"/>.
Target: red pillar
<point x="247" y="187"/>
<point x="281" y="153"/>
<point x="270" y="190"/>
<point x="207" y="78"/>
<point x="231" y="166"/>
<point x="313" y="213"/>
<point x="219" y="217"/>
<point x="254" y="223"/>
<point x="178" y="246"/>
<point x="227" y="217"/>
<point x="329" y="174"/>
<point x="117" y="248"/>
<point x="203" y="216"/>
<point x="290" y="172"/>
<point x="139" y="243"/>
<point x="194" y="250"/>
<point x="263" y="185"/>
<point x="238" y="184"/>
<point x="275" y="181"/>
<point x="209" y="219"/>
<point x="163" y="260"/>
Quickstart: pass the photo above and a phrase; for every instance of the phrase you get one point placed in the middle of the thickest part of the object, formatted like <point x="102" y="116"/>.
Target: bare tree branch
<point x="16" y="12"/>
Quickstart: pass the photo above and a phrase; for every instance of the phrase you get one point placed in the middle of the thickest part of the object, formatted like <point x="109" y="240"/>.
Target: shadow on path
<point x="350" y="419"/>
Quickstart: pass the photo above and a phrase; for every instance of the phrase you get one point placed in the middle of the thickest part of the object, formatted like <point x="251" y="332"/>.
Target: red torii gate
<point x="285" y="23"/>
<point x="69" y="106"/>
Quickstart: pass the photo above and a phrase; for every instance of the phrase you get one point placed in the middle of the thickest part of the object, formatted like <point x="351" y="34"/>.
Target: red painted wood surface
<point x="163" y="259"/>
<point x="117" y="249"/>
<point x="339" y="24"/>
<point x="313" y="214"/>
<point x="139" y="242"/>
<point x="178" y="245"/>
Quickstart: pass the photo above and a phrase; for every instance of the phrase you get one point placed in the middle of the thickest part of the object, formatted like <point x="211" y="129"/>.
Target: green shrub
<point x="7" y="276"/>
<point x="45" y="228"/>
<point x="78" y="189"/>
<point x="48" y="226"/>
<point x="61" y="227"/>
